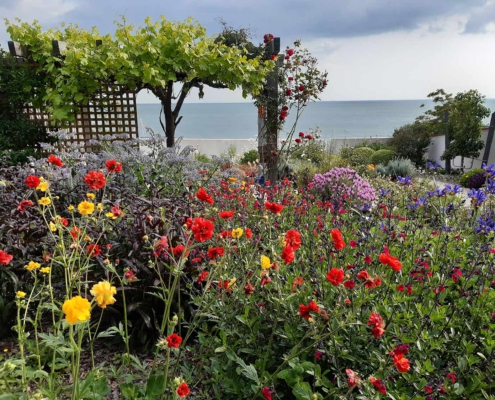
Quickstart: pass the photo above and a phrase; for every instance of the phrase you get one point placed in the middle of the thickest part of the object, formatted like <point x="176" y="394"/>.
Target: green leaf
<point x="155" y="384"/>
<point x="302" y="391"/>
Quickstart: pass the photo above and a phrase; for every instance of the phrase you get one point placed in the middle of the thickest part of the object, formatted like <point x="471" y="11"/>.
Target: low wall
<point x="217" y="147"/>
<point x="437" y="148"/>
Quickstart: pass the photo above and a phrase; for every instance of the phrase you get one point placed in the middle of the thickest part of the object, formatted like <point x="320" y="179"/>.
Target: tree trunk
<point x="169" y="127"/>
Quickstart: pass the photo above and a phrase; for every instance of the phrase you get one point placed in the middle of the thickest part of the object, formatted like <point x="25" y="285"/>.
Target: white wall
<point x="437" y="148"/>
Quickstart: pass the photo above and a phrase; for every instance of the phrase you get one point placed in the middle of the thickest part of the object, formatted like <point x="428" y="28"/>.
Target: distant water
<point x="336" y="119"/>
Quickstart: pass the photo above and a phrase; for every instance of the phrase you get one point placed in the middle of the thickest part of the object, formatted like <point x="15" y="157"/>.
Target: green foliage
<point x="466" y="113"/>
<point x="411" y="141"/>
<point x="249" y="156"/>
<point x="202" y="158"/>
<point x="395" y="168"/>
<point x="373" y="145"/>
<point x="346" y="152"/>
<point x="361" y="156"/>
<point x="382" y="157"/>
<point x="304" y="171"/>
<point x="313" y="151"/>
<point x="467" y="180"/>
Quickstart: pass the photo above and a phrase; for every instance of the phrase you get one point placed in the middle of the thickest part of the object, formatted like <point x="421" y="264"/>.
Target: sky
<point x="372" y="49"/>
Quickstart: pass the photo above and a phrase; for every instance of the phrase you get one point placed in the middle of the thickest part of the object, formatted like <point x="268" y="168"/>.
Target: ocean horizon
<point x="335" y="119"/>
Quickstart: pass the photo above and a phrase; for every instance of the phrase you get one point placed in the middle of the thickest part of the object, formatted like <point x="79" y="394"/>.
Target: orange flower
<point x="76" y="310"/>
<point x="402" y="363"/>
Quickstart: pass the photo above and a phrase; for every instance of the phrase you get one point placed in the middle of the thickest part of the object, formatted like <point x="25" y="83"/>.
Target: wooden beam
<point x="99" y="42"/>
<point x="59" y="47"/>
<point x="489" y="140"/>
<point x="16" y="50"/>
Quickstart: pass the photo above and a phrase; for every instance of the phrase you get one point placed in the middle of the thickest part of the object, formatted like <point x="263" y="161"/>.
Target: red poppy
<point x="380" y="386"/>
<point x="249" y="288"/>
<point x="183" y="390"/>
<point x="32" y="181"/>
<point x="5" y="257"/>
<point x="174" y="341"/>
<point x="93" y="250"/>
<point x="202" y="195"/>
<point x="335" y="276"/>
<point x="267" y="393"/>
<point x="288" y="255"/>
<point x="274" y="207"/>
<point x="95" y="180"/>
<point x="293" y="239"/>
<point x="338" y="240"/>
<point x="113" y="166"/>
<point x="226" y="214"/>
<point x="202" y="276"/>
<point x="55" y="160"/>
<point x="304" y="311"/>
<point x="392" y="262"/>
<point x="202" y="229"/>
<point x="215" y="252"/>
<point x="24" y="204"/>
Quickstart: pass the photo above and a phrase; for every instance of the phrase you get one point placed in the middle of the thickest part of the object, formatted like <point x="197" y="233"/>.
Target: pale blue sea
<point x="336" y="119"/>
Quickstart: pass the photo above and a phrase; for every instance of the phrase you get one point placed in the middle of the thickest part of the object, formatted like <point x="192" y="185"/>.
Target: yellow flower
<point x="99" y="207"/>
<point x="44" y="201"/>
<point x="371" y="167"/>
<point x="86" y="208"/>
<point x="110" y="215"/>
<point x="43" y="186"/>
<point x="70" y="208"/>
<point x="90" y="196"/>
<point x="237" y="233"/>
<point x="45" y="270"/>
<point x="21" y="294"/>
<point x="232" y="179"/>
<point x="5" y="350"/>
<point x="77" y="309"/>
<point x="103" y="293"/>
<point x="32" y="266"/>
<point x="53" y="228"/>
<point x="232" y="282"/>
<point x="265" y="262"/>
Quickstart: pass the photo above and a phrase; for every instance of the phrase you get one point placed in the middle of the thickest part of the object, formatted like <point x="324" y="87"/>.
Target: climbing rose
<point x="95" y="180"/>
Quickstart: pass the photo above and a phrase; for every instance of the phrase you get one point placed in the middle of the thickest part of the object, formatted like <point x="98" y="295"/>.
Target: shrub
<point x="411" y="141"/>
<point x="361" y="156"/>
<point x="346" y="153"/>
<point x="373" y="145"/>
<point x="382" y="157"/>
<point x="313" y="150"/>
<point x="396" y="168"/>
<point x="343" y="184"/>
<point x="473" y="179"/>
<point x="249" y="156"/>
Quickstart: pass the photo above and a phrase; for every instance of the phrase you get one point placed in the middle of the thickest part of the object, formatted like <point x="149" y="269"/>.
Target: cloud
<point x="481" y="20"/>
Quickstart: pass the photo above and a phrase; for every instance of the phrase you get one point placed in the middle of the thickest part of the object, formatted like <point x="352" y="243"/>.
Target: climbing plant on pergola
<point x="155" y="57"/>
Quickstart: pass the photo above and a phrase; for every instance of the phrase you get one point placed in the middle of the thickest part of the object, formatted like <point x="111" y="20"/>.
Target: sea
<point x="334" y="119"/>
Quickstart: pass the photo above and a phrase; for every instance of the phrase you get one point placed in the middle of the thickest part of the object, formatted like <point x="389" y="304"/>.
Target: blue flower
<point x="384" y="192"/>
<point x="435" y="167"/>
<point x="485" y="224"/>
<point x="477" y="196"/>
<point x="405" y="181"/>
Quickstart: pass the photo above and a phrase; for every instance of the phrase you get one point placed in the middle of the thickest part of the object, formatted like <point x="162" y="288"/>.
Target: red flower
<point x="64" y="221"/>
<point x="55" y="160"/>
<point x="113" y="166"/>
<point x="400" y="287"/>
<point x="75" y="232"/>
<point x="298" y="140"/>
<point x="202" y="229"/>
<point x="249" y="288"/>
<point x="338" y="240"/>
<point x="392" y="262"/>
<point x="301" y="134"/>
<point x="5" y="257"/>
<point x="267" y="393"/>
<point x="226" y="214"/>
<point x="288" y="255"/>
<point x="202" y="195"/>
<point x="288" y="92"/>
<point x="309" y="137"/>
<point x="335" y="276"/>
<point x="129" y="276"/>
<point x="183" y="390"/>
<point x="265" y="281"/>
<point x="249" y="233"/>
<point x="293" y="239"/>
<point x="401" y="363"/>
<point x="290" y="52"/>
<point x="373" y="283"/>
<point x="376" y="322"/>
<point x="304" y="311"/>
<point x="93" y="250"/>
<point x="274" y="207"/>
<point x="179" y="250"/>
<point x="160" y="246"/>
<point x="368" y="260"/>
<point x="24" y="204"/>
<point x="352" y="377"/>
<point x="95" y="180"/>
<point x="349" y="284"/>
<point x="202" y="276"/>
<point x="363" y="275"/>
<point x="174" y="341"/>
<point x="451" y="376"/>
<point x="301" y="88"/>
<point x="117" y="212"/>
<point x="353" y="244"/>
<point x="380" y="386"/>
<point x="297" y="282"/>
<point x="215" y="252"/>
<point x="32" y="181"/>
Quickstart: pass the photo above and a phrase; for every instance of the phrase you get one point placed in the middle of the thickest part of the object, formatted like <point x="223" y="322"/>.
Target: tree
<point x="466" y="114"/>
<point x="411" y="141"/>
<point x="152" y="57"/>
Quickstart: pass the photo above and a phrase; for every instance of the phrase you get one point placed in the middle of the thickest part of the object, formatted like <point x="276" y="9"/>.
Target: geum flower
<point x="392" y="262"/>
<point x="24" y="204"/>
<point x="103" y="293"/>
<point x="5" y="258"/>
<point x="202" y="229"/>
<point x="95" y="180"/>
<point x="376" y="322"/>
<point x="274" y="207"/>
<point x="287" y="255"/>
<point x="304" y="310"/>
<point x="174" y="341"/>
<point x="76" y="310"/>
<point x="32" y="181"/>
<point x="338" y="240"/>
<point x="293" y="239"/>
<point x="54" y="160"/>
<point x="226" y="214"/>
<point x="203" y="196"/>
<point x="215" y="252"/>
<point x="378" y="384"/>
<point x="113" y="166"/>
<point x="335" y="276"/>
<point x="183" y="390"/>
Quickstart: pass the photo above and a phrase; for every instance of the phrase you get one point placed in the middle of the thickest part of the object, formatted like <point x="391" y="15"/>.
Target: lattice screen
<point x="113" y="111"/>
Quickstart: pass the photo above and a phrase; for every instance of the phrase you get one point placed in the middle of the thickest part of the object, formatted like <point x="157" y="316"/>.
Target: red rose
<point x="338" y="241"/>
<point x="202" y="195"/>
<point x="95" y="180"/>
<point x="113" y="166"/>
<point x="335" y="276"/>
<point x="291" y="78"/>
<point x="183" y="390"/>
<point x="174" y="341"/>
<point x="288" y="255"/>
<point x="288" y="92"/>
<point x="301" y="88"/>
<point x="301" y="134"/>
<point x="5" y="257"/>
<point x="32" y="181"/>
<point x="202" y="229"/>
<point x="55" y="160"/>
<point x="309" y="137"/>
<point x="298" y="140"/>
<point x="290" y="52"/>
<point x="24" y="204"/>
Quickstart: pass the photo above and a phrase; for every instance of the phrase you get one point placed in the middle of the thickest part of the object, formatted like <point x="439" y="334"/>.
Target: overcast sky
<point x="372" y="49"/>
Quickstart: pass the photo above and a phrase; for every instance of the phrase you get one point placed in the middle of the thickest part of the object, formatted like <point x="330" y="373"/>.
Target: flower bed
<point x="245" y="292"/>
